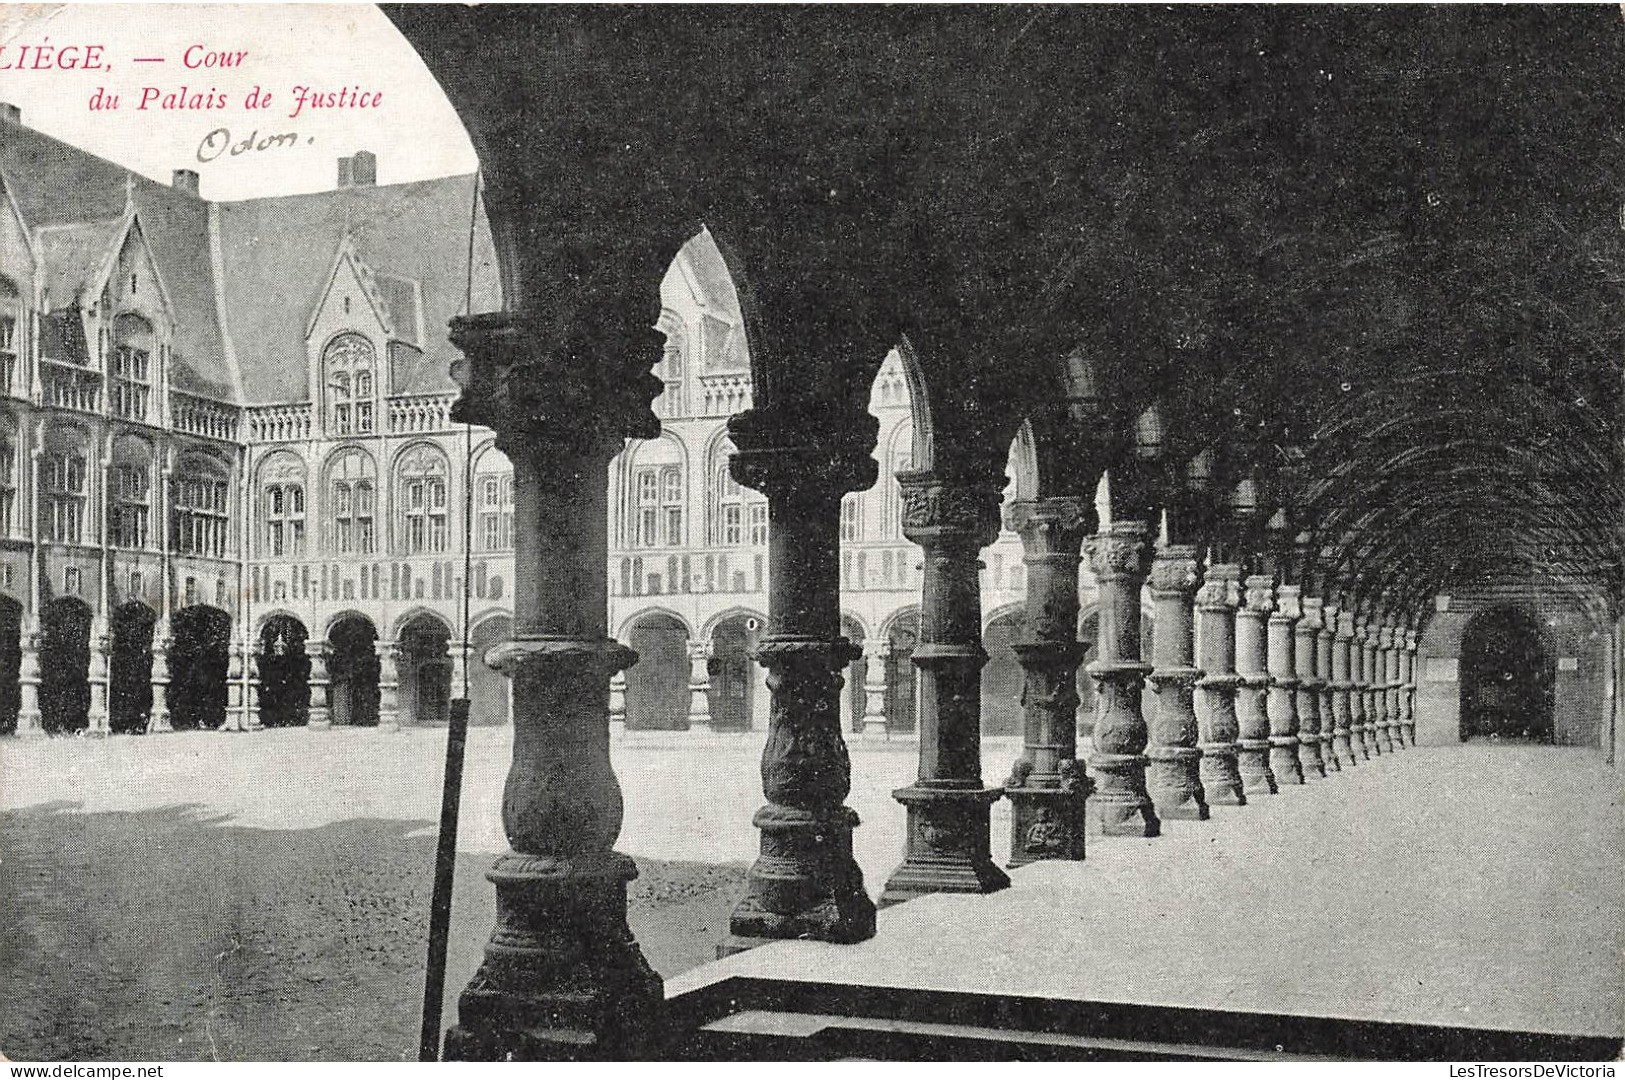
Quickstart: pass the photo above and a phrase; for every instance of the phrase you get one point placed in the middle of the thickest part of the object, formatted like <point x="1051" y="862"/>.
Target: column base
<point x="1173" y="779"/>
<point x="1253" y="762"/>
<point x="1221" y="775"/>
<point x="874" y="729"/>
<point x="1284" y="761"/>
<point x="1368" y="740"/>
<point x="30" y="727"/>
<point x="1048" y="817"/>
<point x="805" y="884"/>
<point x="1343" y="749"/>
<point x="1309" y="763"/>
<point x="1410" y="733"/>
<point x="563" y="979"/>
<point x="1385" y="737"/>
<point x="1328" y="755"/>
<point x="319" y="723"/>
<point x="949" y="845"/>
<point x="1120" y="804"/>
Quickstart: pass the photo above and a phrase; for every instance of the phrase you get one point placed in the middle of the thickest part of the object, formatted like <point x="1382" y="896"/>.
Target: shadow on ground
<point x="169" y="935"/>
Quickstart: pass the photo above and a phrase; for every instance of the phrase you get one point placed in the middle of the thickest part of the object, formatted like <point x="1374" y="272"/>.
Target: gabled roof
<point x="75" y="257"/>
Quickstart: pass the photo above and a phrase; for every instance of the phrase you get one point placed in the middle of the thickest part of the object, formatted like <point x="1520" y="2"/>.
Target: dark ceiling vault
<point x="1366" y="257"/>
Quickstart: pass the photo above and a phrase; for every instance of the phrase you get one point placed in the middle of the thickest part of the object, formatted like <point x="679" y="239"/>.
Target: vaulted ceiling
<point x="1368" y="257"/>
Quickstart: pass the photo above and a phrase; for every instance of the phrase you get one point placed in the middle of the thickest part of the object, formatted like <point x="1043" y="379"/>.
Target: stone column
<point x="158" y="716"/>
<point x="1047" y="788"/>
<point x="876" y="654"/>
<point x="1283" y="705"/>
<point x="1217" y="727"/>
<point x="1252" y="697"/>
<point x="319" y="718"/>
<point x="1360" y="731"/>
<point x="1306" y="656"/>
<point x="805" y="884"/>
<point x="1369" y="694"/>
<point x="29" y="723"/>
<point x="1174" y="773"/>
<point x="1120" y="804"/>
<point x="617" y="702"/>
<point x="1407" y="689"/>
<point x="699" y="684"/>
<point x="236" y="716"/>
<point x="252" y="659"/>
<point x="562" y="977"/>
<point x="1393" y="733"/>
<point x="100" y="645"/>
<point x="389" y="685"/>
<point x="1324" y="648"/>
<point x="1344" y="700"/>
<point x="949" y="843"/>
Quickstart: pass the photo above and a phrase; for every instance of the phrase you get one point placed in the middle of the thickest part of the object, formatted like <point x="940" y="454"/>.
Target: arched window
<point x="670" y="370"/>
<point x="347" y="368"/>
<point x="650" y="493"/>
<point x="64" y="480"/>
<point x="132" y="367"/>
<point x="8" y="481"/>
<point x="352" y="498"/>
<point x="423" y="501"/>
<point x="493" y="495"/>
<point x="852" y="518"/>
<point x="283" y="499"/>
<point x="739" y="514"/>
<point x="131" y="494"/>
<point x="10" y="334"/>
<point x="199" y="493"/>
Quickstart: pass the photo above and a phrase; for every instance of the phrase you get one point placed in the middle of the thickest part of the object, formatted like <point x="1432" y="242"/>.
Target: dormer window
<point x="132" y="367"/>
<point x="10" y="312"/>
<point x="348" y="369"/>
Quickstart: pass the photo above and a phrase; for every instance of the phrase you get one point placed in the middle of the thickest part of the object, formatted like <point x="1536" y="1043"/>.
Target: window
<point x="496" y="512"/>
<point x="8" y="483"/>
<point x="758" y="524"/>
<point x="851" y="519"/>
<point x="198" y="521"/>
<point x="63" y="492"/>
<point x="131" y="385"/>
<point x="132" y="492"/>
<point x="283" y="502"/>
<point x="352" y="498"/>
<point x="10" y="312"/>
<point x="423" y="500"/>
<point x="670" y="402"/>
<point x="741" y="514"/>
<point x="348" y="375"/>
<point x="648" y="486"/>
<point x="671" y="506"/>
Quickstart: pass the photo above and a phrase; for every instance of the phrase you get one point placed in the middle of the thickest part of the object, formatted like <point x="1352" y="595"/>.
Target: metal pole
<point x="445" y="862"/>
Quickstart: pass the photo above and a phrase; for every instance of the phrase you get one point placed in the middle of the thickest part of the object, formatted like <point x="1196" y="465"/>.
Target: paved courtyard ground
<point x="265" y="896"/>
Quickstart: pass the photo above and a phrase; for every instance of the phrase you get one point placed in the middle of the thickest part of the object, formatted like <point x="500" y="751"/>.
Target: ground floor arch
<point x="423" y="669"/>
<point x="11" y="660"/>
<point x="1002" y="677"/>
<point x="1507" y="677"/>
<point x="733" y="684"/>
<point x="902" y="677"/>
<point x="352" y="671"/>
<point x="199" y="655"/>
<point x="657" y="685"/>
<point x="284" y="673"/>
<point x="129" y="668"/>
<point x="490" y="694"/>
<point x="64" y="659"/>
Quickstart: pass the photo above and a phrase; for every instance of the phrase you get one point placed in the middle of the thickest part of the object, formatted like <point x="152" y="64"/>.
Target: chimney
<point x="184" y="180"/>
<point x="346" y="174"/>
<point x="10" y="114"/>
<point x="364" y="169"/>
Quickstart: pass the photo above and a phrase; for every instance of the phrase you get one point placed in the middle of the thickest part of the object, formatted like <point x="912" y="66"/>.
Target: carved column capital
<point x="1288" y="605"/>
<point x="1221" y="588"/>
<point x="1312" y="619"/>
<point x="1051" y="526"/>
<point x="1260" y="595"/>
<point x="1330" y="613"/>
<point x="1120" y="551"/>
<point x="544" y="386"/>
<point x="794" y="467"/>
<point x="937" y="508"/>
<point x="699" y="650"/>
<point x="1173" y="570"/>
<point x="1347" y="625"/>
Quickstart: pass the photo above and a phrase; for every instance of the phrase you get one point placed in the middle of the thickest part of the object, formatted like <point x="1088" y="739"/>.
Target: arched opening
<point x="1002" y="677"/>
<point x="902" y="677"/>
<point x="489" y="691"/>
<point x="424" y="670"/>
<point x="852" y="700"/>
<point x="11" y="660"/>
<point x="129" y="691"/>
<point x="352" y="670"/>
<point x="1507" y="677"/>
<point x="64" y="660"/>
<point x="733" y="685"/>
<point x="284" y="669"/>
<point x="657" y="685"/>
<point x="198" y="656"/>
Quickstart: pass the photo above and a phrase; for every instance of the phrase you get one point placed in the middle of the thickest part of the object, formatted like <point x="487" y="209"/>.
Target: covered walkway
<point x="1479" y="885"/>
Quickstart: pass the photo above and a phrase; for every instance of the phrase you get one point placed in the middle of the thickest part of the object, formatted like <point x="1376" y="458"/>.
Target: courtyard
<point x="265" y="896"/>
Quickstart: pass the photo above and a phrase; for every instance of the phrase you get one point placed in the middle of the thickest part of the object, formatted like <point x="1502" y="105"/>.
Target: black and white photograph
<point x="924" y="533"/>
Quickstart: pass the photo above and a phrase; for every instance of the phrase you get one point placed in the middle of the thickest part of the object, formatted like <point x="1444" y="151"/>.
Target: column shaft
<point x="1120" y="804"/>
<point x="100" y="645"/>
<point x="1047" y="789"/>
<point x="1325" y="646"/>
<point x="319" y="682"/>
<point x="389" y="684"/>
<point x="949" y="843"/>
<point x="1252" y="696"/>
<point x="699" y="684"/>
<point x="1217" y="726"/>
<point x="158" y="717"/>
<point x="1283" y="705"/>
<point x="1173" y="775"/>
<point x="1360" y="731"/>
<point x="876" y="654"/>
<point x="1370" y="695"/>
<point x="29" y="723"/>
<point x="1306" y="659"/>
<point x="1346" y="735"/>
<point x="1394" y="735"/>
<point x="1407" y="674"/>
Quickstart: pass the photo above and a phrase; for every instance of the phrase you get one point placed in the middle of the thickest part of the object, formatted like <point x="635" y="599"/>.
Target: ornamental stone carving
<point x="1174" y="570"/>
<point x="1120" y="551"/>
<point x="1260" y="594"/>
<point x="932" y="504"/>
